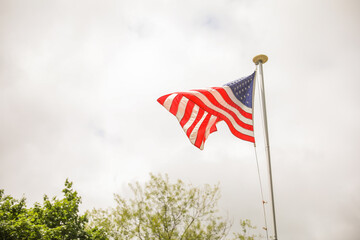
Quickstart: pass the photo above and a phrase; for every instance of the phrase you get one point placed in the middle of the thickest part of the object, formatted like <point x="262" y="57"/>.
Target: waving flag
<point x="198" y="111"/>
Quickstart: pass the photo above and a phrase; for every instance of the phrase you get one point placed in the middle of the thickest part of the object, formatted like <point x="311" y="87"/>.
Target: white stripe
<point x="192" y="118"/>
<point x="222" y="101"/>
<point x="235" y="100"/>
<point x="211" y="122"/>
<point x="168" y="101"/>
<point x="181" y="109"/>
<point x="202" y="146"/>
<point x="208" y="127"/>
<point x="194" y="132"/>
<point x="212" y="106"/>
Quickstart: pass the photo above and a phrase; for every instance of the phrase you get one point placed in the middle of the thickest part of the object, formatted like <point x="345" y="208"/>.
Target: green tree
<point x="54" y="219"/>
<point x="246" y="228"/>
<point x="162" y="210"/>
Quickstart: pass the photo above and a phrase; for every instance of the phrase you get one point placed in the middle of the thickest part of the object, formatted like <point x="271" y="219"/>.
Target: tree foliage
<point x="159" y="210"/>
<point x="164" y="210"/>
<point x="245" y="233"/>
<point x="54" y="219"/>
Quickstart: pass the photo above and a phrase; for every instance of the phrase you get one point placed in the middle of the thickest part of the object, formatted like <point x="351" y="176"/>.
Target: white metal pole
<point x="259" y="60"/>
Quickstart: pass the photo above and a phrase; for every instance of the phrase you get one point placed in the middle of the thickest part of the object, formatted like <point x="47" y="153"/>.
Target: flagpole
<point x="259" y="60"/>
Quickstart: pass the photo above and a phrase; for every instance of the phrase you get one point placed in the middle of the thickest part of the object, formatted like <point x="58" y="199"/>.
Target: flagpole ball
<point x="260" y="58"/>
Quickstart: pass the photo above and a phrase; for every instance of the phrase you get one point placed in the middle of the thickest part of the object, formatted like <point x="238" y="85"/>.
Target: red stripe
<point x="188" y="110"/>
<point x="197" y="119"/>
<point x="226" y="97"/>
<point x="201" y="132"/>
<point x="245" y="137"/>
<point x="221" y="116"/>
<point x="175" y="104"/>
<point x="162" y="99"/>
<point x="213" y="100"/>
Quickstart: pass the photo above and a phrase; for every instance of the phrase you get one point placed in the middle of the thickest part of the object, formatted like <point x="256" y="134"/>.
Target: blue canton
<point x="243" y="89"/>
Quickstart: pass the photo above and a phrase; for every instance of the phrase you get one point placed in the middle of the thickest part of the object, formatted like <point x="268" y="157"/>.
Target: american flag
<point x="198" y="111"/>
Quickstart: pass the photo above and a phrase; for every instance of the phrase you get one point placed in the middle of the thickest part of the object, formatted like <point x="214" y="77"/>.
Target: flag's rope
<point x="262" y="194"/>
<point x="258" y="169"/>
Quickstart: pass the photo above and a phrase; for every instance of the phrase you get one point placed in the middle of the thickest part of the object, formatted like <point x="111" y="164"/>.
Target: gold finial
<point x="260" y="58"/>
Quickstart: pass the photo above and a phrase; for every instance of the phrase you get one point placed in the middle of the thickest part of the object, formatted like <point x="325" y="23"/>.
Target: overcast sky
<point x="79" y="82"/>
